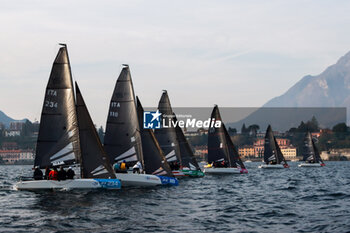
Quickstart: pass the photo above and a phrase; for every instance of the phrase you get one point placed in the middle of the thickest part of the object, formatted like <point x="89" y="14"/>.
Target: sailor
<point x="38" y="174"/>
<point x="70" y="173"/>
<point x="123" y="167"/>
<point x="137" y="167"/>
<point x="62" y="174"/>
<point x="117" y="167"/>
<point x="53" y="174"/>
<point x="47" y="171"/>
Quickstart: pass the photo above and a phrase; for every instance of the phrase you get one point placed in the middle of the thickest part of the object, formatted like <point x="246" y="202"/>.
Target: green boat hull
<point x="193" y="173"/>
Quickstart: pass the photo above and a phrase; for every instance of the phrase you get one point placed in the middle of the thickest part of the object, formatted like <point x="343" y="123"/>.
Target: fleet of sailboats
<point x="68" y="137"/>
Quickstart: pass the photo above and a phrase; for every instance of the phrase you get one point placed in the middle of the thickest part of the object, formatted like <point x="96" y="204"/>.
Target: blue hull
<point x="169" y="180"/>
<point x="109" y="183"/>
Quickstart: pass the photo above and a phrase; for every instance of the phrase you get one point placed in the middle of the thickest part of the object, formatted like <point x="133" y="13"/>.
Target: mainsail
<point x="187" y="157"/>
<point x="220" y="145"/>
<point x="154" y="159"/>
<point x="94" y="161"/>
<point x="167" y="136"/>
<point x="272" y="152"/>
<point x="310" y="152"/>
<point x="58" y="139"/>
<point x="122" y="140"/>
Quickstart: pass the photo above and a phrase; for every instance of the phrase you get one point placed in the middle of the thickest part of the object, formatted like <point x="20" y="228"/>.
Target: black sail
<point x="167" y="136"/>
<point x="94" y="161"/>
<point x="310" y="151"/>
<point x="122" y="140"/>
<point x="217" y="144"/>
<point x="235" y="159"/>
<point x="58" y="139"/>
<point x="154" y="159"/>
<point x="187" y="157"/>
<point x="272" y="151"/>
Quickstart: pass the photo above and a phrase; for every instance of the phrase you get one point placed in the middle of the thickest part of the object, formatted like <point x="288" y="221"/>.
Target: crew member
<point x="123" y="167"/>
<point x="70" y="173"/>
<point x="62" y="174"/>
<point x="38" y="174"/>
<point x="53" y="174"/>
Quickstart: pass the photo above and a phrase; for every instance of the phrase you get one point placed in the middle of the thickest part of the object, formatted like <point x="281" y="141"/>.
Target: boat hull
<point x="193" y="173"/>
<point x="224" y="170"/>
<point x="68" y="184"/>
<point x="178" y="173"/>
<point x="311" y="165"/>
<point x="272" y="166"/>
<point x="144" y="180"/>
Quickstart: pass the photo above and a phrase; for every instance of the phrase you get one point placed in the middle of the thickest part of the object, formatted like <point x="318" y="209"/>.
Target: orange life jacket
<point x="122" y="166"/>
<point x="53" y="175"/>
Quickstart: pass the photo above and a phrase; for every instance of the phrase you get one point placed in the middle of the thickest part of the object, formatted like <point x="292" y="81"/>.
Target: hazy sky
<point x="230" y="53"/>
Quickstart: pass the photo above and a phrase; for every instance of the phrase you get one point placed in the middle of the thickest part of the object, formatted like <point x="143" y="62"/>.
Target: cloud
<point x="233" y="53"/>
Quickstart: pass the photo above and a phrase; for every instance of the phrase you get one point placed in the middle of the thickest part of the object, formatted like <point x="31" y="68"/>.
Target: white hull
<point x="67" y="184"/>
<point x="134" y="179"/>
<point x="271" y="166"/>
<point x="222" y="170"/>
<point x="309" y="165"/>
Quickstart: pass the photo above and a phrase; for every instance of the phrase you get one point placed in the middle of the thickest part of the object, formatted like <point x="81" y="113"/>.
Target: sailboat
<point x="311" y="156"/>
<point x="154" y="159"/>
<point x="167" y="137"/>
<point x="67" y="136"/>
<point x="122" y="140"/>
<point x="223" y="157"/>
<point x="189" y="164"/>
<point x="273" y="156"/>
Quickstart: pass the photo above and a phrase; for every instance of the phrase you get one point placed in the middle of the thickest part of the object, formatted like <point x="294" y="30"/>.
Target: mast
<point x="122" y="139"/>
<point x="94" y="161"/>
<point x="217" y="144"/>
<point x="167" y="136"/>
<point x="58" y="139"/>
<point x="154" y="159"/>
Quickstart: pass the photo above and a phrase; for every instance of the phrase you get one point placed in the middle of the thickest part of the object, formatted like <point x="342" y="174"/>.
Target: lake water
<point x="286" y="200"/>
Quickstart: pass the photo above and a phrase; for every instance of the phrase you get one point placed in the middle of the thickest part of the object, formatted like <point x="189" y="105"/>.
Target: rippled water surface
<point x="286" y="200"/>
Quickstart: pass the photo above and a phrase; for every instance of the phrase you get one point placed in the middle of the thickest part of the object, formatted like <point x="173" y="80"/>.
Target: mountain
<point x="325" y="96"/>
<point x="5" y="119"/>
<point x="331" y="88"/>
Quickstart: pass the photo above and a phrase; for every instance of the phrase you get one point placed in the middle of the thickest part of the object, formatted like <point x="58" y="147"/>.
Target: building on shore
<point x="201" y="152"/>
<point x="246" y="151"/>
<point x="16" y="156"/>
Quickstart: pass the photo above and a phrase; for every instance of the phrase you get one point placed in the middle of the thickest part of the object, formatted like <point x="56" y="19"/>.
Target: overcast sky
<point x="230" y="53"/>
